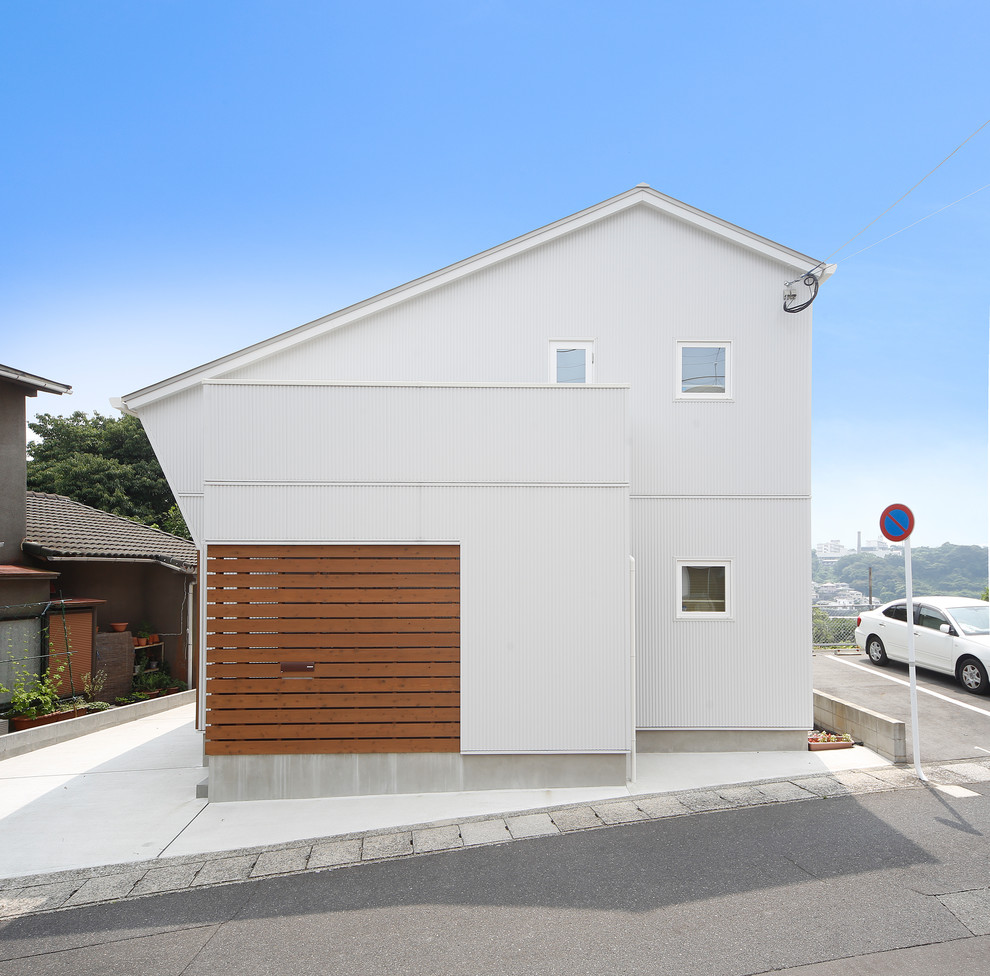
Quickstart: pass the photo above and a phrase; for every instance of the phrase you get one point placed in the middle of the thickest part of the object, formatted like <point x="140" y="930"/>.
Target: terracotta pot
<point x="140" y="641"/>
<point x="152" y="638"/>
<point x="822" y="746"/>
<point x="118" y="628"/>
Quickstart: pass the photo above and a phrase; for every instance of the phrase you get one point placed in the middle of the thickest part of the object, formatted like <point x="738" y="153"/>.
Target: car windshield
<point x="972" y="620"/>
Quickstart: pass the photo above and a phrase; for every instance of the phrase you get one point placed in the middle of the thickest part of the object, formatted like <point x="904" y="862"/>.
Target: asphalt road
<point x="894" y="882"/>
<point x="953" y="724"/>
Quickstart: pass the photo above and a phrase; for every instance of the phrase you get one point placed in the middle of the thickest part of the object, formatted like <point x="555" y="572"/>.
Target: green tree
<point x="106" y="462"/>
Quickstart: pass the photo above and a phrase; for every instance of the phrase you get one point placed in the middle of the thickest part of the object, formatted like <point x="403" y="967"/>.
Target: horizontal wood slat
<point x="389" y="592"/>
<point x="335" y="625"/>
<point x="338" y="730"/>
<point x="378" y="624"/>
<point x="244" y="693"/>
<point x="266" y="551"/>
<point x="441" y="700"/>
<point x="333" y="640"/>
<point x="288" y="747"/>
<point x="293" y="716"/>
<point x="338" y="669"/>
<point x="317" y="611"/>
<point x="336" y="655"/>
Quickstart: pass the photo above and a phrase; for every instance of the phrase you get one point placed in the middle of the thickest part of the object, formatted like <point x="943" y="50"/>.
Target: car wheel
<point x="874" y="648"/>
<point x="972" y="676"/>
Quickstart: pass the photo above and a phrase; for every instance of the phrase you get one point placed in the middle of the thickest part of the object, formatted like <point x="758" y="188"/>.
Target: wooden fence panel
<point x="332" y="649"/>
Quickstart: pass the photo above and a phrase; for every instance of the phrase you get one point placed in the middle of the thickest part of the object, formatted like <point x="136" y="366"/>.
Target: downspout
<point x="189" y="632"/>
<point x="632" y="668"/>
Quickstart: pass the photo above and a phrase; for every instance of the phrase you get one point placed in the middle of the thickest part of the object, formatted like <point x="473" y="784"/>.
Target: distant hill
<point x="946" y="571"/>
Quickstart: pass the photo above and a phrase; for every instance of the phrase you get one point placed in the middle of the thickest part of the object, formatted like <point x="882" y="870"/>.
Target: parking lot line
<point x="924" y="691"/>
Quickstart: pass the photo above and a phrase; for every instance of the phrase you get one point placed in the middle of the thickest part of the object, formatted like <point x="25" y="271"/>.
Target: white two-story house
<point x="508" y="523"/>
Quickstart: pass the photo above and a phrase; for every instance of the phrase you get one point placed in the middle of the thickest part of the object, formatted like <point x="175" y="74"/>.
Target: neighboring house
<point x="25" y="590"/>
<point x="506" y="524"/>
<point x="142" y="575"/>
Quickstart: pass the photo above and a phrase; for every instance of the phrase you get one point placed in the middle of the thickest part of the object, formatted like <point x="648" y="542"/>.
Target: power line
<point x="918" y="221"/>
<point x="915" y="187"/>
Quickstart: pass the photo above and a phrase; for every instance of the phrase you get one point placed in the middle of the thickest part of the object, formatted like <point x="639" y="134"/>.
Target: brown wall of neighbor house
<point x="135" y="593"/>
<point x="13" y="473"/>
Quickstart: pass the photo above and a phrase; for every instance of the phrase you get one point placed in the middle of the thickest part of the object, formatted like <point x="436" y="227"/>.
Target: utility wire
<point x="918" y="221"/>
<point x="915" y="187"/>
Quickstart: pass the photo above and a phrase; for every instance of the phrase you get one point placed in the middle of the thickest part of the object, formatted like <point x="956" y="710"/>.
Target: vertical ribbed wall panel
<point x="176" y="431"/>
<point x="556" y="434"/>
<point x="544" y="602"/>
<point x="175" y="426"/>
<point x="753" y="671"/>
<point x="636" y="283"/>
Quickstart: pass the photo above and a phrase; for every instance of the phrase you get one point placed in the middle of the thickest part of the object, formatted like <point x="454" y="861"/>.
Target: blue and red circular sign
<point x="897" y="522"/>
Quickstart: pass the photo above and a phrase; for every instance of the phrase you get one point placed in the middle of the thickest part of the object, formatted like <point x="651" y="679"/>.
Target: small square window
<point x="703" y="370"/>
<point x="703" y="588"/>
<point x="572" y="361"/>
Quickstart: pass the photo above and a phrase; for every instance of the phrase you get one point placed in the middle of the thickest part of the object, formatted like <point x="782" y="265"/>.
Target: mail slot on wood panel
<point x="297" y="666"/>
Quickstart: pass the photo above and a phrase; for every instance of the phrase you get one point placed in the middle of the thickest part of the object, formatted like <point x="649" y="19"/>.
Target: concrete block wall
<point x="878" y="732"/>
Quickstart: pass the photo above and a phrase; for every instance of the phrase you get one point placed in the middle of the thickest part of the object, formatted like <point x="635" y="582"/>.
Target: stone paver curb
<point x="39" y="893"/>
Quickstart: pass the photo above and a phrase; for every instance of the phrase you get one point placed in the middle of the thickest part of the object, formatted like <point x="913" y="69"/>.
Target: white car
<point x="951" y="635"/>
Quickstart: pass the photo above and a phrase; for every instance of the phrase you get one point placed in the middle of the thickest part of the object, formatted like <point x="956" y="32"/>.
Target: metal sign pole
<point x="911" y="668"/>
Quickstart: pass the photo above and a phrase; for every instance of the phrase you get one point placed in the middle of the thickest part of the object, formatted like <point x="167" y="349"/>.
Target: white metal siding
<point x="544" y="634"/>
<point x="750" y="672"/>
<point x="636" y="282"/>
<point x="559" y="434"/>
<point x="175" y="427"/>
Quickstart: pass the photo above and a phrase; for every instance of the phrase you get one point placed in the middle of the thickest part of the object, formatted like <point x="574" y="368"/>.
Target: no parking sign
<point x="897" y="524"/>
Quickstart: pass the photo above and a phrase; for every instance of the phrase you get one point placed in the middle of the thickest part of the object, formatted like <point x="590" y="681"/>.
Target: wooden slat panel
<point x="380" y="626"/>
<point x="323" y="551"/>
<point x="285" y="747"/>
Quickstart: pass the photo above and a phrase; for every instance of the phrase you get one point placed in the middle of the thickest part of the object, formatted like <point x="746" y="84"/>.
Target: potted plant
<point x="146" y="684"/>
<point x="820" y="741"/>
<point x="35" y="699"/>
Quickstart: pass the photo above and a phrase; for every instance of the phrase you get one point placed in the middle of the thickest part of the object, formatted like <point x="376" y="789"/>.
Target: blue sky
<point x="182" y="178"/>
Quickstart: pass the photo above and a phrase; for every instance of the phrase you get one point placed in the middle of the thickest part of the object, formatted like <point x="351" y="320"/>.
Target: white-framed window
<point x="572" y="361"/>
<point x="704" y="589"/>
<point x="703" y="370"/>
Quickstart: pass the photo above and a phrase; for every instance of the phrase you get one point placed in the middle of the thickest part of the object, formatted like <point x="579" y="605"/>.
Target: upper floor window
<point x="572" y="361"/>
<point x="703" y="370"/>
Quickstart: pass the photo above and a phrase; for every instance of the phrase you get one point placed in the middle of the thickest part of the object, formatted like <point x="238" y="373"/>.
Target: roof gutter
<point x="36" y="382"/>
<point x="52" y="557"/>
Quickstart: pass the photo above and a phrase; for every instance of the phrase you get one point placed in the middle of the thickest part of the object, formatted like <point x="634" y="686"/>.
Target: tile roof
<point x="60" y="527"/>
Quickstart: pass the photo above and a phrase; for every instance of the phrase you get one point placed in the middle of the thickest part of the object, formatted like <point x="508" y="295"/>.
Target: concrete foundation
<point x="721" y="740"/>
<point x="307" y="777"/>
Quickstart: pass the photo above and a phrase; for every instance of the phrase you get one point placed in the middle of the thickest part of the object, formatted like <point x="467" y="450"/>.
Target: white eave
<point x="638" y="195"/>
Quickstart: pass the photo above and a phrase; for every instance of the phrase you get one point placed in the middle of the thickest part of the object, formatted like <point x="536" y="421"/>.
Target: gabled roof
<point x="60" y="528"/>
<point x="30" y="383"/>
<point x="641" y="195"/>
